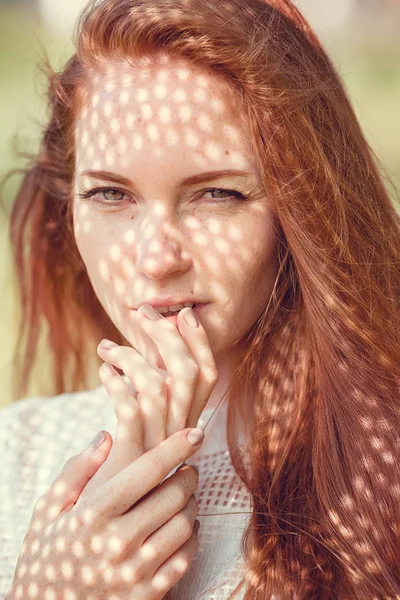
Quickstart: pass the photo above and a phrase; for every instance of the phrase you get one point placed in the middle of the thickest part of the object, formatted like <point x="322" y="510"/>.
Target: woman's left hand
<point x="169" y="400"/>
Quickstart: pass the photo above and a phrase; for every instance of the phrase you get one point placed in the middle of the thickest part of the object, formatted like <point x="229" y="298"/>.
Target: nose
<point x="159" y="251"/>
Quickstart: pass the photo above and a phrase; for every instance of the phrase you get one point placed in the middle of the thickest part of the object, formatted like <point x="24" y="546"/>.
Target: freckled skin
<point x="157" y="127"/>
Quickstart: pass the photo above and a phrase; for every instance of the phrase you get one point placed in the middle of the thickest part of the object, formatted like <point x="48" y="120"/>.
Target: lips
<point x="168" y="301"/>
<point x="198" y="310"/>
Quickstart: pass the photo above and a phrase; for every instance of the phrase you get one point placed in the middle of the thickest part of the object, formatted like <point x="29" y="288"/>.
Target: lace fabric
<point x="38" y="435"/>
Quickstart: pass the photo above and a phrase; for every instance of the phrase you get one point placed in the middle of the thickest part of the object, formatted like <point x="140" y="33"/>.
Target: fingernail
<point x="195" y="436"/>
<point x="148" y="311"/>
<point x="96" y="441"/>
<point x="191" y="319"/>
<point x="196" y="526"/>
<point x="108" y="369"/>
<point x="107" y="344"/>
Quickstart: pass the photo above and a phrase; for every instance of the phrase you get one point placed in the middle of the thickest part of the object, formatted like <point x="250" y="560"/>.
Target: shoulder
<point x="49" y="425"/>
<point x="39" y="434"/>
<point x="31" y="411"/>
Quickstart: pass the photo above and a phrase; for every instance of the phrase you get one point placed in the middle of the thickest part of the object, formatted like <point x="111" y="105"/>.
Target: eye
<point x="109" y="195"/>
<point x="232" y="195"/>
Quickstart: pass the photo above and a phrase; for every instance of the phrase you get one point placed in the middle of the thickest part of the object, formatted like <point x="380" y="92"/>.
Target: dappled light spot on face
<point x="152" y="132"/>
<point x="85" y="138"/>
<point x="142" y="95"/>
<point x="162" y="75"/>
<point x="179" y="95"/>
<point x="104" y="270"/>
<point x="146" y="112"/>
<point x="212" y="151"/>
<point x="129" y="237"/>
<point x="90" y="152"/>
<point x="127" y="267"/>
<point x="115" y="252"/>
<point x="137" y="142"/>
<point x="115" y="125"/>
<point x="94" y="120"/>
<point x="87" y="575"/>
<point x="108" y="109"/>
<point x="185" y="113"/>
<point x="34" y="569"/>
<point x="95" y="100"/>
<point x="192" y="139"/>
<point x="130" y="120"/>
<point x="67" y="570"/>
<point x="223" y="246"/>
<point x="120" y="286"/>
<point x="200" y="239"/>
<point x="164" y="114"/>
<point x="110" y="159"/>
<point x="204" y="123"/>
<point x="161" y="91"/>
<point x="110" y="85"/>
<point x="103" y="140"/>
<point x="124" y="97"/>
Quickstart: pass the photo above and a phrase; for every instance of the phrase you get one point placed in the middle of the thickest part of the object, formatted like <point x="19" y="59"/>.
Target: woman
<point x="291" y="254"/>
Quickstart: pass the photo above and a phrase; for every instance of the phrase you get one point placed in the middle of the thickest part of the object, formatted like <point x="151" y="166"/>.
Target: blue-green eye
<point x="110" y="195"/>
<point x="232" y="194"/>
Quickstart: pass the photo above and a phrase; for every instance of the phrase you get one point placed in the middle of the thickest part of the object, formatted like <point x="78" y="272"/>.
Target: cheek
<point x="260" y="240"/>
<point x="95" y="254"/>
<point x="90" y="235"/>
<point x="262" y="264"/>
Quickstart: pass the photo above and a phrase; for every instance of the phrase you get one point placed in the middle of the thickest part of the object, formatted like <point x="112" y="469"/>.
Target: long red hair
<point x="321" y="367"/>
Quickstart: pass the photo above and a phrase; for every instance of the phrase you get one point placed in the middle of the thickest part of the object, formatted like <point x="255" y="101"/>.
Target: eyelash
<point x="86" y="194"/>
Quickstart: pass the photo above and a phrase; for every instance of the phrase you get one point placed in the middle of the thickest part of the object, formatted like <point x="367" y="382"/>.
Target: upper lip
<point x="168" y="301"/>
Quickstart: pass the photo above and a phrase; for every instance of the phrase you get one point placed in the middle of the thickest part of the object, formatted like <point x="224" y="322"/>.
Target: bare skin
<point x="131" y="538"/>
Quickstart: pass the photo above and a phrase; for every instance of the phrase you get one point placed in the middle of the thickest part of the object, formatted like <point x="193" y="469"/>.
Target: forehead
<point x="151" y="110"/>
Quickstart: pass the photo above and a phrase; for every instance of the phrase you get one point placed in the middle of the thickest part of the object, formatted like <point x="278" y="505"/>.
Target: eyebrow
<point x="192" y="180"/>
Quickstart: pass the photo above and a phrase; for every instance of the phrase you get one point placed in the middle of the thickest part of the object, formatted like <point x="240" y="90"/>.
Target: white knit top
<point x="38" y="435"/>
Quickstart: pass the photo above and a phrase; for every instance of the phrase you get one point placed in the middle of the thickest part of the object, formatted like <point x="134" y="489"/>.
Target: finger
<point x="196" y="339"/>
<point x="137" y="526"/>
<point x="176" y="566"/>
<point x="127" y="487"/>
<point x="69" y="485"/>
<point x="164" y="542"/>
<point x="144" y="344"/>
<point x="157" y="508"/>
<point x="150" y="388"/>
<point x="128" y="443"/>
<point x="181" y="366"/>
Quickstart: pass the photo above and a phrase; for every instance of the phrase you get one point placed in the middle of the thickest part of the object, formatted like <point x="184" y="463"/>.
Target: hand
<point x="166" y="404"/>
<point x="128" y="539"/>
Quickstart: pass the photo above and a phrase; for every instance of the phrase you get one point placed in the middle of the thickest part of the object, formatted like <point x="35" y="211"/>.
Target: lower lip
<point x="197" y="310"/>
<point x="174" y="318"/>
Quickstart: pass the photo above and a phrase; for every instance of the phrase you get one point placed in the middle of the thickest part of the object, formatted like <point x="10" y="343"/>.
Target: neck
<point x="226" y="364"/>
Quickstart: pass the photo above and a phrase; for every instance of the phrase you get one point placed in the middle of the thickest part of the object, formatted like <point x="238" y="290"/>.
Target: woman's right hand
<point x="130" y="538"/>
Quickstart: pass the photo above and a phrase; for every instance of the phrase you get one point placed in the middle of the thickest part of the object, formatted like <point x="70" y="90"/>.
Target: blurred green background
<point x="364" y="47"/>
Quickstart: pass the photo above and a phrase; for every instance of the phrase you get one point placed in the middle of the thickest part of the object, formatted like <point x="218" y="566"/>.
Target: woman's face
<point x="153" y="228"/>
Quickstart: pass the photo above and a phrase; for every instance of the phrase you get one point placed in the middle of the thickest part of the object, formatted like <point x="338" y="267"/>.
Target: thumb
<point x="80" y="469"/>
